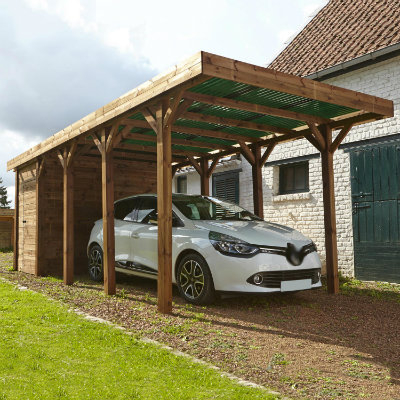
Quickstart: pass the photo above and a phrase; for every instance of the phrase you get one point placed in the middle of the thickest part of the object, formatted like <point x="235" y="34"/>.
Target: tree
<point x="4" y="202"/>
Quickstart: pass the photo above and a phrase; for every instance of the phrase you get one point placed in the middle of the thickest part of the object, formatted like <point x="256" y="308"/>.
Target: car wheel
<point x="96" y="263"/>
<point x="194" y="280"/>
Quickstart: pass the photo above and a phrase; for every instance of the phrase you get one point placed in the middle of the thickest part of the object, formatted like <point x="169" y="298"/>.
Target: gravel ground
<point x="308" y="345"/>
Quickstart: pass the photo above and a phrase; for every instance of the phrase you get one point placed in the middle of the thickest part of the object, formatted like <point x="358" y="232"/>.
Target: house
<point x="356" y="45"/>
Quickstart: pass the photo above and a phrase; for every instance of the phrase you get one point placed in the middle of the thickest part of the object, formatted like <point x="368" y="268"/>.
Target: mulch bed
<point x="307" y="345"/>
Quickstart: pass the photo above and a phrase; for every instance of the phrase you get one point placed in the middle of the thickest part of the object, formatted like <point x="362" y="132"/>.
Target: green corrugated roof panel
<point x="219" y="128"/>
<point x="252" y="94"/>
<point x="244" y="115"/>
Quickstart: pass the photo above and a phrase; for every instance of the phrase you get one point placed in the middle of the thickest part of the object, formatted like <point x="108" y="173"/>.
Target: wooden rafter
<point x="132" y="123"/>
<point x="255" y="108"/>
<point x="237" y="123"/>
<point x="183" y="142"/>
<point x="150" y="118"/>
<point x="153" y="149"/>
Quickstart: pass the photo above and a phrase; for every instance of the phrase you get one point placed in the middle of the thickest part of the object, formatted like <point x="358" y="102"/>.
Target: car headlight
<point x="232" y="246"/>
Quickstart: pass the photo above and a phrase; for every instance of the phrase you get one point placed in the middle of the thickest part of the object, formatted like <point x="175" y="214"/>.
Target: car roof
<point x="174" y="195"/>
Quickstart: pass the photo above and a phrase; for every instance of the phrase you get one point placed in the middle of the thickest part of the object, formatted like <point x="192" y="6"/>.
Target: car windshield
<point x="209" y="208"/>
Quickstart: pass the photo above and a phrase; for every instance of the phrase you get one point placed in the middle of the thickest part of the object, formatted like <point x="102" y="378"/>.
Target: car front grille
<point x="273" y="279"/>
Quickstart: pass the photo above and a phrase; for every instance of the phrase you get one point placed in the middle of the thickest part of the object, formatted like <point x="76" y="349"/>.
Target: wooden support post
<point x="204" y="177"/>
<point x="164" y="208"/>
<point x="329" y="212"/>
<point x="16" y="222"/>
<point x="39" y="214"/>
<point x="68" y="221"/>
<point x="107" y="183"/>
<point x="256" y="169"/>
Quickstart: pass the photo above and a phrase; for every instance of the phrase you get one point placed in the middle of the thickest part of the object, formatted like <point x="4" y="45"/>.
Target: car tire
<point x="194" y="280"/>
<point x="95" y="263"/>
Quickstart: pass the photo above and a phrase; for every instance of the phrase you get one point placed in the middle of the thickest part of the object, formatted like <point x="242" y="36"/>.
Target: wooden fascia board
<point x="226" y="68"/>
<point x="189" y="73"/>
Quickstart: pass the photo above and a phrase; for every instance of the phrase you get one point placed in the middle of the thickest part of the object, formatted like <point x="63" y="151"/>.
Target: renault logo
<point x="294" y="256"/>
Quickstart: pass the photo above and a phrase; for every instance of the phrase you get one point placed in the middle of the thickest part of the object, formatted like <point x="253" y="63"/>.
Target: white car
<point x="216" y="246"/>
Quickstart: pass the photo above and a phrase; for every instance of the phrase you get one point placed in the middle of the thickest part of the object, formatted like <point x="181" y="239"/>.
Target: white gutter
<point x="342" y="67"/>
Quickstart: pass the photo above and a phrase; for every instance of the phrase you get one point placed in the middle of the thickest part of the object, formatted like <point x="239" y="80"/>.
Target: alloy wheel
<point x="191" y="279"/>
<point x="95" y="264"/>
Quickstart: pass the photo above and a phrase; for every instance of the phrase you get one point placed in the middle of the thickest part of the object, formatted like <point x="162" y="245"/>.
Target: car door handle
<point x="134" y="235"/>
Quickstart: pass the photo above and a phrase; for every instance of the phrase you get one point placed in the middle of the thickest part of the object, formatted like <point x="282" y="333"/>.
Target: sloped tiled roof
<point x="341" y="31"/>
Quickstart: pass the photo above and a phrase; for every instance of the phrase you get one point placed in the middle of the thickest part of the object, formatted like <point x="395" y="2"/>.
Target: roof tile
<point x="341" y="31"/>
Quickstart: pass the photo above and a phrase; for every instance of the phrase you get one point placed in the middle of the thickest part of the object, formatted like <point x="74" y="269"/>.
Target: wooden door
<point x="375" y="186"/>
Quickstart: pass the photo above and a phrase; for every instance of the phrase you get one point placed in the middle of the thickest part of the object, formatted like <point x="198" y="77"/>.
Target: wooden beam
<point x="329" y="214"/>
<point x="107" y="190"/>
<point x="225" y="68"/>
<point x="150" y="118"/>
<point x="196" y="131"/>
<point x="183" y="142"/>
<point x="204" y="177"/>
<point x="16" y="222"/>
<point x="267" y="153"/>
<point x="186" y="103"/>
<point x="317" y="135"/>
<point x="311" y="138"/>
<point x="247" y="153"/>
<point x="153" y="149"/>
<point x="195" y="164"/>
<point x="170" y="114"/>
<point x="339" y="138"/>
<point x="237" y="123"/>
<point x="164" y="209"/>
<point x="256" y="169"/>
<point x="213" y="165"/>
<point x="255" y="108"/>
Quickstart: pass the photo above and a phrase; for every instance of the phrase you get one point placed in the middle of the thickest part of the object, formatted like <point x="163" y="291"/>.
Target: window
<point x="226" y="186"/>
<point x="293" y="178"/>
<point x="147" y="211"/>
<point x="181" y="184"/>
<point x="125" y="209"/>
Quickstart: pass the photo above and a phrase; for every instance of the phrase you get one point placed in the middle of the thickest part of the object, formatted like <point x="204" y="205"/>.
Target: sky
<point x="62" y="59"/>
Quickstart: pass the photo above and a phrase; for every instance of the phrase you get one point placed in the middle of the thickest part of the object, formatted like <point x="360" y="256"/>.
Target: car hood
<point x="257" y="232"/>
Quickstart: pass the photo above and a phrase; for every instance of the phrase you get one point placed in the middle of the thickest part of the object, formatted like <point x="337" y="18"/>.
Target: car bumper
<point x="234" y="274"/>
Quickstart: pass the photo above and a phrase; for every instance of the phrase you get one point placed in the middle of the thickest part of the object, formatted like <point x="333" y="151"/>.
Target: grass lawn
<point x="48" y="352"/>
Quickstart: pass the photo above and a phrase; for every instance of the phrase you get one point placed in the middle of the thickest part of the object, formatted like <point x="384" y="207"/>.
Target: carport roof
<point x="224" y="105"/>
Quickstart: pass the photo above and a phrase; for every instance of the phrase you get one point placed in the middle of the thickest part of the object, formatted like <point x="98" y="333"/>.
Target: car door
<point x="144" y="240"/>
<point x="124" y="217"/>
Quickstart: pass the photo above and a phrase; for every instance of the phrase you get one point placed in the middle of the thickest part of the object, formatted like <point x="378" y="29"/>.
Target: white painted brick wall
<point x="305" y="211"/>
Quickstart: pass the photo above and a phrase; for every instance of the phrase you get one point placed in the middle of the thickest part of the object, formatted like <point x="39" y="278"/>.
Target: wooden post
<point x="164" y="208"/>
<point x="329" y="212"/>
<point x="204" y="177"/>
<point x="16" y="221"/>
<point x="107" y="183"/>
<point x="39" y="211"/>
<point x="66" y="159"/>
<point x="256" y="169"/>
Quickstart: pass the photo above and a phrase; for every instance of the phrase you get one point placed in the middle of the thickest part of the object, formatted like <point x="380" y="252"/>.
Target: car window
<point x="147" y="209"/>
<point x="125" y="209"/>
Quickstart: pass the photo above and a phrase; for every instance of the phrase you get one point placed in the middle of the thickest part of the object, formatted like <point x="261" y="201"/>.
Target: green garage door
<point x="375" y="187"/>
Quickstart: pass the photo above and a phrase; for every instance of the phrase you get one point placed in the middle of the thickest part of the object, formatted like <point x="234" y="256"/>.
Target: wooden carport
<point x="203" y="109"/>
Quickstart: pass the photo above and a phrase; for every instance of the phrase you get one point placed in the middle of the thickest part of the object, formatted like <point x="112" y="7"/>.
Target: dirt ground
<point x="307" y="345"/>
